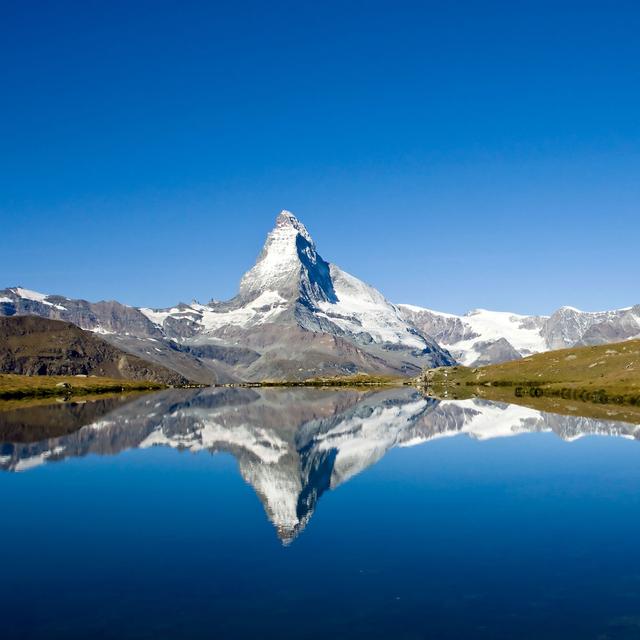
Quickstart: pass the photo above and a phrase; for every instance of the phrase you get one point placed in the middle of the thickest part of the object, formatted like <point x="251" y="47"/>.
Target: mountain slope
<point x="39" y="346"/>
<point x="483" y="337"/>
<point x="602" y="374"/>
<point x="291" y="285"/>
<point x="298" y="316"/>
<point x="295" y="316"/>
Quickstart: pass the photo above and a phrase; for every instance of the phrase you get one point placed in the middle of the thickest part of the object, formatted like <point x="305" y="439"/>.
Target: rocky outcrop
<point x="38" y="346"/>
<point x="489" y="337"/>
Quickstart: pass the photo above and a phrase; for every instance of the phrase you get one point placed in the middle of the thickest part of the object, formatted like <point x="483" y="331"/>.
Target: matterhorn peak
<point x="288" y="264"/>
<point x="287" y="221"/>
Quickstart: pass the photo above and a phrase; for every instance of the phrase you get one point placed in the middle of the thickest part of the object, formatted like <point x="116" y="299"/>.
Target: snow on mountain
<point x="290" y="272"/>
<point x="468" y="337"/>
<point x="288" y="265"/>
<point x="297" y="316"/>
<point x="291" y="295"/>
<point x="360" y="309"/>
<point x="263" y="308"/>
<point x="569" y="326"/>
<point x="485" y="337"/>
<point x="33" y="296"/>
<point x="37" y="297"/>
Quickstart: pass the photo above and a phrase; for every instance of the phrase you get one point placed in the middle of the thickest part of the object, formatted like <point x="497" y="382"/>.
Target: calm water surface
<point x="244" y="513"/>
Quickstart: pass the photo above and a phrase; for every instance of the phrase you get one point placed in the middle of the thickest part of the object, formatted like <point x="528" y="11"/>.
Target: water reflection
<point x="291" y="445"/>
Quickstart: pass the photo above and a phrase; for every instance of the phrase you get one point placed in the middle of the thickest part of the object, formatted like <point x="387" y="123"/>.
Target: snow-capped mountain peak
<point x="33" y="296"/>
<point x="298" y="316"/>
<point x="295" y="316"/>
<point x="286" y="220"/>
<point x="304" y="317"/>
<point x="482" y="337"/>
<point x="289" y="265"/>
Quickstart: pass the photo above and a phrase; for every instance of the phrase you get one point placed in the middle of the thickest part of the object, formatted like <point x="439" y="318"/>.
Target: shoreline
<point x="18" y="387"/>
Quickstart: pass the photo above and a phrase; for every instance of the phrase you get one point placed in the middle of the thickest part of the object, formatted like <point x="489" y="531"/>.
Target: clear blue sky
<point x="454" y="155"/>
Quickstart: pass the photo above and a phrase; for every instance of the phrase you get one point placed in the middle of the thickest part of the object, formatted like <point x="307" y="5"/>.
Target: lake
<point x="316" y="513"/>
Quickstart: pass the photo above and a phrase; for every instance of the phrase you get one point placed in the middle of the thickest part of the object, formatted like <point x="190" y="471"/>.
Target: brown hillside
<point x="38" y="346"/>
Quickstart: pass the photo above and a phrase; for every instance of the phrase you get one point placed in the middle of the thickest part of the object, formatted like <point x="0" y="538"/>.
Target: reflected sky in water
<point x="314" y="513"/>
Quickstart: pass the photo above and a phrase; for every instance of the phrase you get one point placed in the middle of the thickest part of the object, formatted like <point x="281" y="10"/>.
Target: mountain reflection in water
<point x="291" y="445"/>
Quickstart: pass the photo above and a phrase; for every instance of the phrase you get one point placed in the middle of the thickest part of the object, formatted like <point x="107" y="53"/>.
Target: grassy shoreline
<point x="357" y="380"/>
<point x="600" y="381"/>
<point x="16" y="387"/>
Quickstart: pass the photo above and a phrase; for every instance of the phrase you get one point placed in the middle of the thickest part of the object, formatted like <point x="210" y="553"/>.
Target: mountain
<point x="293" y="445"/>
<point x="38" y="346"/>
<point x="482" y="337"/>
<point x="124" y="327"/>
<point x="296" y="316"/>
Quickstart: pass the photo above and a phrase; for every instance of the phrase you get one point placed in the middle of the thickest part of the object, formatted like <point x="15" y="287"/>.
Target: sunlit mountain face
<point x="295" y="317"/>
<point x="291" y="446"/>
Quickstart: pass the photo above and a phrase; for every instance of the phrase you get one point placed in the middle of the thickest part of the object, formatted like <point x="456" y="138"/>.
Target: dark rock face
<point x="494" y="352"/>
<point x="520" y="336"/>
<point x="442" y="328"/>
<point x="105" y="316"/>
<point x="317" y="284"/>
<point x="229" y="355"/>
<point x="38" y="346"/>
<point x="569" y="327"/>
<point x="623" y="325"/>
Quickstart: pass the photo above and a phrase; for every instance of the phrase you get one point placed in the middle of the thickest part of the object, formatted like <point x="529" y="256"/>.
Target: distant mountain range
<point x="291" y="445"/>
<point x="483" y="337"/>
<point x="297" y="316"/>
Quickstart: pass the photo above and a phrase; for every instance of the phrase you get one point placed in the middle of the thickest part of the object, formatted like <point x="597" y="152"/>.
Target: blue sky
<point x="454" y="155"/>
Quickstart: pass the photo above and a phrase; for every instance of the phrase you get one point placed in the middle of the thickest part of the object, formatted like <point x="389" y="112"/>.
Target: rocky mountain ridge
<point x="482" y="337"/>
<point x="31" y="345"/>
<point x="296" y="316"/>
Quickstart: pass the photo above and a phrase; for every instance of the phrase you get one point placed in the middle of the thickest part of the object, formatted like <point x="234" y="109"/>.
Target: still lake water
<point x="246" y="513"/>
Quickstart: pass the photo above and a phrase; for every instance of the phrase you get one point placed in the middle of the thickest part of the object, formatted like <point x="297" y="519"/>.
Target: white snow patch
<point x="27" y="294"/>
<point x="416" y="309"/>
<point x="101" y="330"/>
<point x="265" y="308"/>
<point x="362" y="309"/>
<point x="488" y="326"/>
<point x="158" y="316"/>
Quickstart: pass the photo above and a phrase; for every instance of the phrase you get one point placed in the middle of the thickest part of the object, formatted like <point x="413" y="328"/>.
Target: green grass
<point x="604" y="376"/>
<point x="13" y="386"/>
<point x="356" y="380"/>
